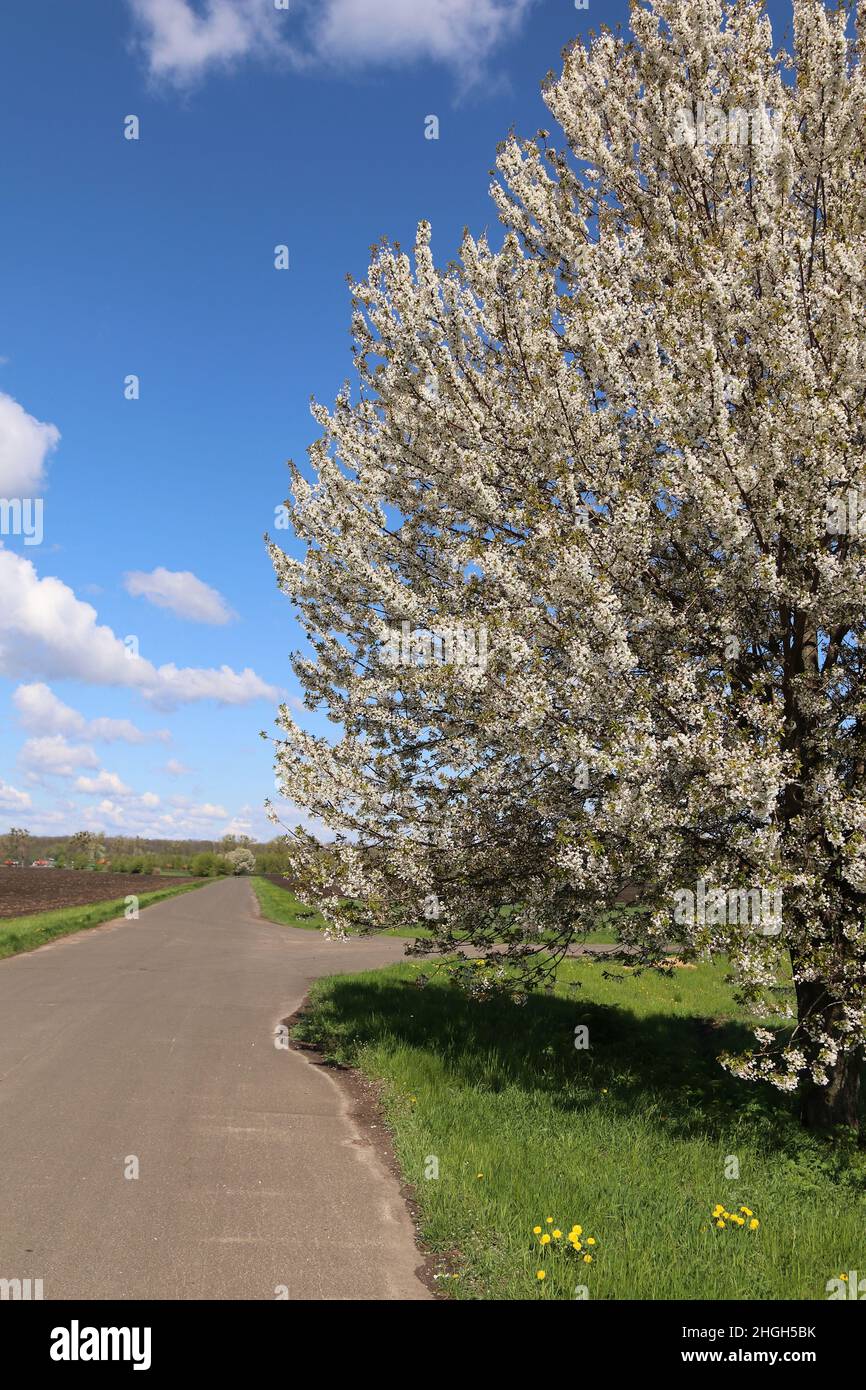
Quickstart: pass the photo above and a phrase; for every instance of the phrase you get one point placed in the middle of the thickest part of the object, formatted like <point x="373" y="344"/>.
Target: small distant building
<point x="44" y="864"/>
<point x="12" y="864"/>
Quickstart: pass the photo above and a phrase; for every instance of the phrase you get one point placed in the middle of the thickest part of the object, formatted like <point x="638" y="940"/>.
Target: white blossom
<point x="611" y="443"/>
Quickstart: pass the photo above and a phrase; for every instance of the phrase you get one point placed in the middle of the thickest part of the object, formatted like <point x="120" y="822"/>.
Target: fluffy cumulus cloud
<point x="127" y="813"/>
<point x="182" y="41"/>
<point x="182" y="592"/>
<point x="25" y="444"/>
<point x="191" y="821"/>
<point x="41" y="711"/>
<point x="207" y="810"/>
<point x="241" y="824"/>
<point x="46" y="631"/>
<point x="54" y="756"/>
<point x="455" y="32"/>
<point x="107" y="783"/>
<point x="11" y="799"/>
<point x="104" y="804"/>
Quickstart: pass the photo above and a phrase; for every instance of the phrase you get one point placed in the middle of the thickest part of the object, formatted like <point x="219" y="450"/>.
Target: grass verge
<point x="26" y="933"/>
<point x="635" y="1138"/>
<point x="281" y="906"/>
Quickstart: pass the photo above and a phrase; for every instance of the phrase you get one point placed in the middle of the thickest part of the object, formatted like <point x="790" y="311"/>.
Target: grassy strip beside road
<point x="26" y="933"/>
<point x="630" y="1138"/>
<point x="281" y="906"/>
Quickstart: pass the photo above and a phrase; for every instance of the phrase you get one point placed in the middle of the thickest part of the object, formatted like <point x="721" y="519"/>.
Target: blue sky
<point x="154" y="257"/>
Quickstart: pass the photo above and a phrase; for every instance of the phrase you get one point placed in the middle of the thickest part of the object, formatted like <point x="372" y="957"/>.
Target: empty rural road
<point x="155" y="1040"/>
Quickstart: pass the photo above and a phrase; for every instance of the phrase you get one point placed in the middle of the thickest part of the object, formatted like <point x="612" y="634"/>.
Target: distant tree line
<point x="93" y="851"/>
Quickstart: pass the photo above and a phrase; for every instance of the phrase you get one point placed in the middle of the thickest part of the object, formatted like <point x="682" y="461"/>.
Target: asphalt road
<point x="154" y="1040"/>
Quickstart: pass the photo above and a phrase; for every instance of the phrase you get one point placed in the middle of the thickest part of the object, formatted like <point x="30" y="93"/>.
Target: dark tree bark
<point x="837" y="1103"/>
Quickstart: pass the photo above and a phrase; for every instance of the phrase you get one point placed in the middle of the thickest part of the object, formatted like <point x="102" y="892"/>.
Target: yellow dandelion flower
<point x="577" y="1230"/>
<point x="720" y="1223"/>
<point x="557" y="1235"/>
<point x="545" y="1240"/>
<point x="549" y="1220"/>
<point x="587" y="1259"/>
<point x="536" y="1230"/>
<point x="540" y="1274"/>
<point x="591" y="1240"/>
<point x="754" y="1224"/>
<point x="746" y="1212"/>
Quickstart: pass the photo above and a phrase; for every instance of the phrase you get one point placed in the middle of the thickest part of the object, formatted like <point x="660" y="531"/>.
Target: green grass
<point x="629" y="1138"/>
<point x="281" y="906"/>
<point x="26" y="933"/>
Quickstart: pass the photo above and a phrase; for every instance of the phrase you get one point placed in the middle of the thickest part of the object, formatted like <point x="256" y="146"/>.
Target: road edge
<point x="363" y="1099"/>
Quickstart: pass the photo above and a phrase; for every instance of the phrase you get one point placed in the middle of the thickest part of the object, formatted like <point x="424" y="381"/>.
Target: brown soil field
<point x="278" y="880"/>
<point x="43" y="890"/>
<point x="291" y="885"/>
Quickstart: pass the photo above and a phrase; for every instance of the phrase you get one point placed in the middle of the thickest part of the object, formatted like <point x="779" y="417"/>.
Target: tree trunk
<point x="837" y="1103"/>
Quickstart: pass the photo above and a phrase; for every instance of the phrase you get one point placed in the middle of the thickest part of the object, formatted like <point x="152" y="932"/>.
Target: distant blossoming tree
<point x="241" y="861"/>
<point x="626" y="447"/>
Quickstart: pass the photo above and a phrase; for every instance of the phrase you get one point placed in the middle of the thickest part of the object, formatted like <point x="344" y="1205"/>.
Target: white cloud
<point x="107" y="782"/>
<point x="181" y="43"/>
<point x="174" y="768"/>
<point x="180" y="686"/>
<point x="139" y="815"/>
<point x="106" y="730"/>
<point x="240" y="824"/>
<point x="182" y="592"/>
<point x="135" y="816"/>
<point x="458" y="33"/>
<point x="47" y="632"/>
<point x="55" y="757"/>
<point x="25" y="444"/>
<point x="40" y="710"/>
<point x="57" y="821"/>
<point x="11" y="799"/>
<point x="206" y="810"/>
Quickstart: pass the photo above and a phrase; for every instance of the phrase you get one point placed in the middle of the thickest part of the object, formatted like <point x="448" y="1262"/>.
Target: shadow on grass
<point x="661" y="1066"/>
